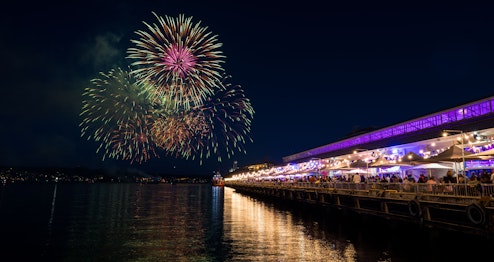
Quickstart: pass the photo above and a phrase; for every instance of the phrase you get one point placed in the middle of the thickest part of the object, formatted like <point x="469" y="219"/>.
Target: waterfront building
<point x="470" y="141"/>
<point x="396" y="166"/>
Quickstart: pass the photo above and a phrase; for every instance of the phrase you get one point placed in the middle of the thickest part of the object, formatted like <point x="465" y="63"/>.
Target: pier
<point x="458" y="207"/>
<point x="436" y="170"/>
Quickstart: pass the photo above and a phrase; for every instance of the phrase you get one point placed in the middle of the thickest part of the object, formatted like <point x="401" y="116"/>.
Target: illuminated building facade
<point x="401" y="143"/>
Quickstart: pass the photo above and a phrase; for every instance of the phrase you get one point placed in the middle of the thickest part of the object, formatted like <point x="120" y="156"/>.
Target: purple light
<point x="468" y="111"/>
<point x="476" y="164"/>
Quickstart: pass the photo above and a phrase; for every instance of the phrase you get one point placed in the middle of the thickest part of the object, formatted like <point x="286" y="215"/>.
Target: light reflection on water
<point x="162" y="222"/>
<point x="259" y="232"/>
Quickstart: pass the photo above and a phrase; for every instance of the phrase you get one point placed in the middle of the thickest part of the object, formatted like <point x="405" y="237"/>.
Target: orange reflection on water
<point x="259" y="232"/>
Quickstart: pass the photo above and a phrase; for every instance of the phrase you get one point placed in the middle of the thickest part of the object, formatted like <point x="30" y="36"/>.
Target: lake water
<point x="198" y="222"/>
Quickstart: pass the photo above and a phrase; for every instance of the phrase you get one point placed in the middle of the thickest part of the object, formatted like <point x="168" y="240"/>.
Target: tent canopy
<point x="453" y="154"/>
<point x="359" y="163"/>
<point x="433" y="166"/>
<point x="382" y="162"/>
<point x="342" y="165"/>
<point x="411" y="158"/>
<point x="483" y="155"/>
<point x="393" y="169"/>
<point x="355" y="171"/>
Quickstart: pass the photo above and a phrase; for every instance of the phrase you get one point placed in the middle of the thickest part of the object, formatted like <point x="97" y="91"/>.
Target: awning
<point x="482" y="155"/>
<point x="382" y="162"/>
<point x="359" y="163"/>
<point x="433" y="166"/>
<point x="355" y="171"/>
<point x="452" y="154"/>
<point x="411" y="158"/>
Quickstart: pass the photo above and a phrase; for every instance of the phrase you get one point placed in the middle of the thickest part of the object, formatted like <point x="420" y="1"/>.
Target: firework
<point x="180" y="58"/>
<point x="175" y="98"/>
<point x="230" y="114"/>
<point x="117" y="113"/>
<point x="221" y="125"/>
<point x="180" y="134"/>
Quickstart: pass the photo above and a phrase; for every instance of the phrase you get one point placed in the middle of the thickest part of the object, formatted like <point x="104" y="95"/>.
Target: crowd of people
<point x="473" y="177"/>
<point x="408" y="182"/>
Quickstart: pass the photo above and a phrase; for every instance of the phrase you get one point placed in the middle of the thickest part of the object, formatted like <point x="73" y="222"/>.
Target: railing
<point x="459" y="190"/>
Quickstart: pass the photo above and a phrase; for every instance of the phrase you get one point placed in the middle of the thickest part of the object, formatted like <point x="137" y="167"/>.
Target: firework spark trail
<point x="180" y="58"/>
<point x="220" y="125"/>
<point x="230" y="114"/>
<point x="176" y="98"/>
<point x="117" y="113"/>
<point x="180" y="134"/>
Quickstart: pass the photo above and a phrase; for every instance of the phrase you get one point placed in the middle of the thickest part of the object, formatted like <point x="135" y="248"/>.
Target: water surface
<point x="198" y="222"/>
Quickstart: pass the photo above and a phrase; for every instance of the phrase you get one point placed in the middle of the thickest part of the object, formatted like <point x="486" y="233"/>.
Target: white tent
<point x="435" y="169"/>
<point x="393" y="169"/>
<point x="434" y="166"/>
<point x="355" y="171"/>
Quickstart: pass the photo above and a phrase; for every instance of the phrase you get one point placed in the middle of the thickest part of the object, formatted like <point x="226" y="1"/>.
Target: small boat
<point x="218" y="180"/>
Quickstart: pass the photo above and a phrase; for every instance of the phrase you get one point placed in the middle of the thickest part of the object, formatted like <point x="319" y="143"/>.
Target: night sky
<point x="314" y="71"/>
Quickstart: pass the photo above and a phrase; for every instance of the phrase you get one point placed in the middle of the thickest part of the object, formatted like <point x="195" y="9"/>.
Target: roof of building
<point x="474" y="116"/>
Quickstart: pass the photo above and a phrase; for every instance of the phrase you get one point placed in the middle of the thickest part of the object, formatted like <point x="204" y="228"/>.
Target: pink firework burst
<point x="179" y="60"/>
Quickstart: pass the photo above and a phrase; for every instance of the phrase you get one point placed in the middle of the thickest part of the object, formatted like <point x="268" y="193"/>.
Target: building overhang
<point x="477" y="116"/>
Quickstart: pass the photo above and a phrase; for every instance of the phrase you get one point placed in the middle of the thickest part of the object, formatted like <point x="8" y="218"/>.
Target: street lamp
<point x="445" y="133"/>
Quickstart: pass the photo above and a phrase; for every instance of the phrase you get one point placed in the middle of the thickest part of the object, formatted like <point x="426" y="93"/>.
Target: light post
<point x="445" y="133"/>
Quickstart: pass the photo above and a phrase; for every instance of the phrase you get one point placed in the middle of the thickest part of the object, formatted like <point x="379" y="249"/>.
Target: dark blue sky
<point x="314" y="71"/>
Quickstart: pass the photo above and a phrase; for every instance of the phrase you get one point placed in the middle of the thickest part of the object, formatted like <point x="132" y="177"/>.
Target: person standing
<point x="431" y="182"/>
